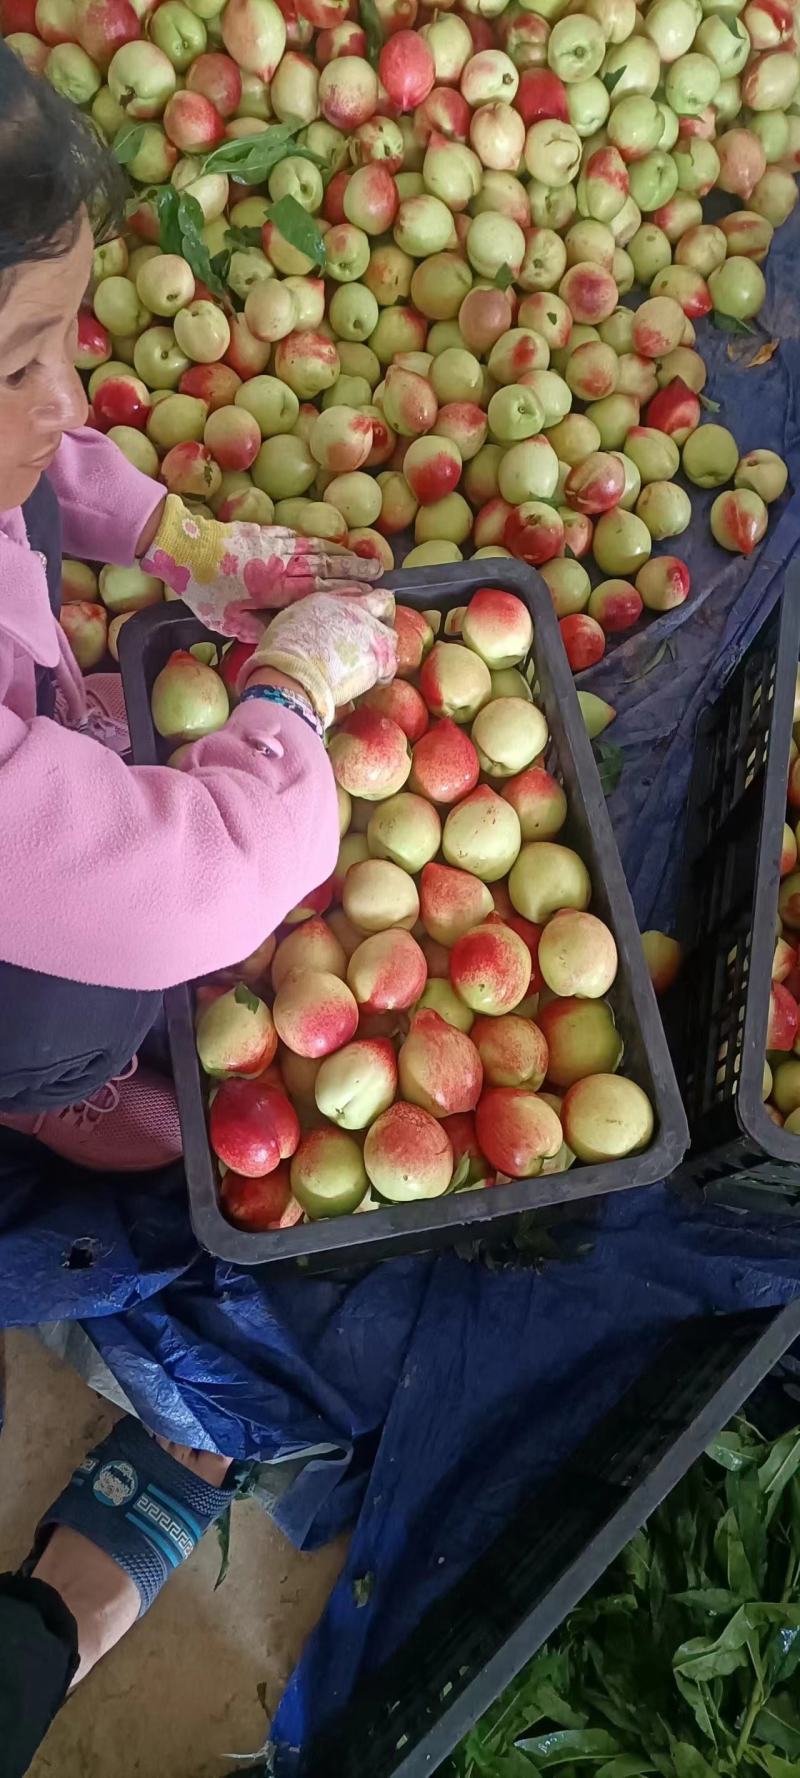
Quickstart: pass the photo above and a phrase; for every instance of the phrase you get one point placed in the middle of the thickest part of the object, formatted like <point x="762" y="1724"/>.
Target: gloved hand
<point x="335" y="647"/>
<point x="230" y="574"/>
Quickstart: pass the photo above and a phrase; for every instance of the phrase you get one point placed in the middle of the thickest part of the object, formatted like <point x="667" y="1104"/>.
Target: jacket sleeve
<point x="144" y="876"/>
<point x="105" y="503"/>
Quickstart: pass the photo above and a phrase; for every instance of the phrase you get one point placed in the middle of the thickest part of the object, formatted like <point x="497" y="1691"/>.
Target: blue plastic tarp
<point x="430" y="1395"/>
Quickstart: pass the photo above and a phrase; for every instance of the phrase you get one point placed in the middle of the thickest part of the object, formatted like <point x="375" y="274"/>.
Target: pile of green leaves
<point x="684" y="1659"/>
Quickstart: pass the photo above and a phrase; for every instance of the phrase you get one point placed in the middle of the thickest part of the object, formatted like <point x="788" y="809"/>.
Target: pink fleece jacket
<point x="138" y="877"/>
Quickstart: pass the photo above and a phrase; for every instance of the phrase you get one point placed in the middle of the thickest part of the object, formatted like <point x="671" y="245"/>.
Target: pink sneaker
<point x="130" y="1125"/>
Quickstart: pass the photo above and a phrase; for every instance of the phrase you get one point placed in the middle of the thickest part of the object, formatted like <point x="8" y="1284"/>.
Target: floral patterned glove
<point x="334" y="647"/>
<point x="229" y="574"/>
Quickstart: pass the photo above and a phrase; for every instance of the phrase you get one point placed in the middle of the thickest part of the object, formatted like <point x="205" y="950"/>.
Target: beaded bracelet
<point x="275" y="694"/>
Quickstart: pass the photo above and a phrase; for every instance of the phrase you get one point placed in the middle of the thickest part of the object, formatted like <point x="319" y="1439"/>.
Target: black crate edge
<point x="416" y="1226"/>
<point x="622" y="1471"/>
<point x="746" y="1149"/>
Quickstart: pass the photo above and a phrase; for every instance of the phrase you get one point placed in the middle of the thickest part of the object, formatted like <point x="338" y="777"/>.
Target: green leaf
<point x="778" y="1469"/>
<point x="205" y="652"/>
<point x="503" y="277"/>
<point x="613" y="79"/>
<point x="696" y="1696"/>
<point x="708" y="1599"/>
<point x="552" y="1705"/>
<point x="181" y="223"/>
<point x="244" y="996"/>
<point x="776" y="1767"/>
<point x="223" y="1530"/>
<point x="704" y="1657"/>
<point x="744" y="1495"/>
<point x="191" y="223"/>
<point x="666" y="651"/>
<point x="242" y="237"/>
<point x="711" y="407"/>
<point x="251" y="158"/>
<point x="728" y="1450"/>
<point x="610" y="763"/>
<point x="779" y="1724"/>
<point x="730" y="19"/>
<point x="569" y="1744"/>
<point x="730" y="324"/>
<point x="363" y="1587"/>
<point x="626" y="1765"/>
<point x="166" y="202"/>
<point x="369" y="18"/>
<point x="689" y="1762"/>
<point x="553" y="319"/>
<point x="298" y="228"/>
<point x="127" y="143"/>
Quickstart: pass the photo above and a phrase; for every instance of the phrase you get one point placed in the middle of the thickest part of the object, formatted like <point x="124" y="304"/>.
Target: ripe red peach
<point x="315" y="1013"/>
<point x="439" y="1067"/>
<point x="452" y="902"/>
<point x="490" y="967"/>
<point x="408" y="1155"/>
<point x="517" y="1131"/>
<point x="513" y="1051"/>
<point x="387" y="972"/>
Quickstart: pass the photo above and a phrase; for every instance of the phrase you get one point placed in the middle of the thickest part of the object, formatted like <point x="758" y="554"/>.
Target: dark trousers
<point x="38" y="1660"/>
<point x="60" y="1041"/>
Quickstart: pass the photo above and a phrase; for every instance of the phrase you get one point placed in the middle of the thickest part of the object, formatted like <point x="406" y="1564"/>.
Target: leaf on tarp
<point x="363" y="1588"/>
<point x="610" y="761"/>
<point x="127" y="144"/>
<point x="730" y="324"/>
<point x="612" y="79"/>
<point x="503" y="277"/>
<point x="298" y="228"/>
<point x="763" y="355"/>
<point x="244" y="996"/>
<point x="710" y="407"/>
<point x="370" y="21"/>
<point x="223" y="1530"/>
<point x="665" y="651"/>
<point x="251" y="158"/>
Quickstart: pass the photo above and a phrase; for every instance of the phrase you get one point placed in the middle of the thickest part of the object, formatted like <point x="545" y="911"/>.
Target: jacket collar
<point x="25" y="615"/>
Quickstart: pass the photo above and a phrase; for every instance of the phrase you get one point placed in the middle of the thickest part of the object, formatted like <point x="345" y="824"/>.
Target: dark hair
<point x="53" y="165"/>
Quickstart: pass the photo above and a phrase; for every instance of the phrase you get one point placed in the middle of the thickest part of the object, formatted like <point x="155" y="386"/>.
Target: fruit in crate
<point x="454" y="969"/>
<point x="783" y="1016"/>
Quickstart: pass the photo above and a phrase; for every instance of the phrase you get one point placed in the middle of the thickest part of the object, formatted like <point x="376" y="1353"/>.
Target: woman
<point x="117" y="882"/>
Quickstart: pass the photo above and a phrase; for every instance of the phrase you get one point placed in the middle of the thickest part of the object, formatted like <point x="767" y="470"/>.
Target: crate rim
<point x="347" y="1240"/>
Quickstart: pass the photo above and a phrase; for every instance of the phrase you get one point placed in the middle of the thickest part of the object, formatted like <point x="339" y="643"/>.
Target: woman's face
<point x="41" y="394"/>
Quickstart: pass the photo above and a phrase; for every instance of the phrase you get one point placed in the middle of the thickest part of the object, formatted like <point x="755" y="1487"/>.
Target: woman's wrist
<point x="281" y="681"/>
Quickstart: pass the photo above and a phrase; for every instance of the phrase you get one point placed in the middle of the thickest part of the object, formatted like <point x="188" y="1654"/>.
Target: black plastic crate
<point x="719" y="1011"/>
<point x="471" y="1644"/>
<point x="145" y="644"/>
